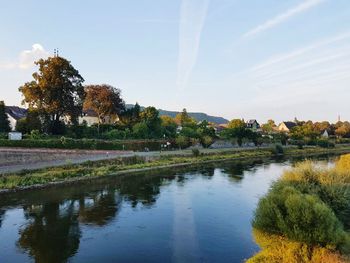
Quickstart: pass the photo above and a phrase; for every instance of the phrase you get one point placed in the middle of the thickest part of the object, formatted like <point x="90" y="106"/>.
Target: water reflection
<point x="54" y="220"/>
<point x="53" y="234"/>
<point x="99" y="208"/>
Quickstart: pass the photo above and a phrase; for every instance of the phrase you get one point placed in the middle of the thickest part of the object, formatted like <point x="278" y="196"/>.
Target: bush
<point x="207" y="141"/>
<point x="35" y="135"/>
<point x="277" y="149"/>
<point x="278" y="249"/>
<point x="300" y="217"/>
<point x="195" y="152"/>
<point x="309" y="204"/>
<point x="114" y="134"/>
<point x="182" y="141"/>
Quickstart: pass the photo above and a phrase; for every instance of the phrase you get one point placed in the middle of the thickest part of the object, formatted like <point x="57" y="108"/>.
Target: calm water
<point x="198" y="215"/>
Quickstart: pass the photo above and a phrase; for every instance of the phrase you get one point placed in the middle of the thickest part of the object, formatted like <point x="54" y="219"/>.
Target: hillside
<point x="199" y="116"/>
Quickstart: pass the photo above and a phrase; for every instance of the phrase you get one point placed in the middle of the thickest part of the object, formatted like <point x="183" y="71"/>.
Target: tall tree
<point x="56" y="91"/>
<point x="4" y="121"/>
<point x="185" y="120"/>
<point x="105" y="100"/>
<point x="150" y="116"/>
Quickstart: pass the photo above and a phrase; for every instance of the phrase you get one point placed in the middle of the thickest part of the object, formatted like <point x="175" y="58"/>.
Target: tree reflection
<point x="235" y="171"/>
<point x="53" y="234"/>
<point x="99" y="208"/>
<point x="144" y="190"/>
<point x="2" y="214"/>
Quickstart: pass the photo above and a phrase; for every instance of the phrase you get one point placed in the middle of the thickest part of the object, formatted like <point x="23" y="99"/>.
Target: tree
<point x="185" y="120"/>
<point x="140" y="131"/>
<point x="236" y="123"/>
<point x="150" y="116"/>
<point x="168" y="126"/>
<point x="269" y="126"/>
<point x="29" y="123"/>
<point x="105" y="100"/>
<point x="343" y="130"/>
<point x="129" y="117"/>
<point x="56" y="91"/>
<point x="4" y="121"/>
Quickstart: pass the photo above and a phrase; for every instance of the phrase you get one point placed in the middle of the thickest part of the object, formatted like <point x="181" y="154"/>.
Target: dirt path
<point x="17" y="159"/>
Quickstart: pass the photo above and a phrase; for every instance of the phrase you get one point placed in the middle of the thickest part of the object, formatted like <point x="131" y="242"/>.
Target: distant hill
<point x="199" y="116"/>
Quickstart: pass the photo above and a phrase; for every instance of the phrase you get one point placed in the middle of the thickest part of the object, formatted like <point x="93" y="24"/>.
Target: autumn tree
<point x="56" y="92"/>
<point x="105" y="100"/>
<point x="343" y="130"/>
<point x="4" y="121"/>
<point x="185" y="120"/>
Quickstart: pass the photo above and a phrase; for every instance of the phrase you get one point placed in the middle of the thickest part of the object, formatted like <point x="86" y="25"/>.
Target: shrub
<point x="278" y="249"/>
<point x="182" y="141"/>
<point x="35" y="135"/>
<point x="207" y="141"/>
<point x="195" y="152"/>
<point x="277" y="149"/>
<point x="300" y="217"/>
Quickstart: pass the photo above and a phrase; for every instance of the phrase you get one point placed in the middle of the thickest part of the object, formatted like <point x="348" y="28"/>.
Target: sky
<point x="248" y="59"/>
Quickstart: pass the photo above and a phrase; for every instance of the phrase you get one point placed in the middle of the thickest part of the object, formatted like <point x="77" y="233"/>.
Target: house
<point x="219" y="128"/>
<point x="286" y="126"/>
<point x="253" y="124"/>
<point x="14" y="114"/>
<point x="325" y="134"/>
<point x="90" y="117"/>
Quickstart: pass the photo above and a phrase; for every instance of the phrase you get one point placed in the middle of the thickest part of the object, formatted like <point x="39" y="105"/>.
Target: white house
<point x="325" y="134"/>
<point x="14" y="114"/>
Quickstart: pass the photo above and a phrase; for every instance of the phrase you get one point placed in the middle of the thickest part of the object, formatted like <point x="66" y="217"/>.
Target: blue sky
<point x="232" y="58"/>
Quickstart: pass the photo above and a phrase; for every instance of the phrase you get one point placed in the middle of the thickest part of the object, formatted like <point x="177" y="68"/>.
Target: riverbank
<point x="26" y="180"/>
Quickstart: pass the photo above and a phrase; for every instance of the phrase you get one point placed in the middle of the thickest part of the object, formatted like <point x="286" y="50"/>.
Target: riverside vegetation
<point x="305" y="215"/>
<point x="71" y="172"/>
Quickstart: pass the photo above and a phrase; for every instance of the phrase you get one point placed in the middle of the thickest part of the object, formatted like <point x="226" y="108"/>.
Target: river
<point x="189" y="215"/>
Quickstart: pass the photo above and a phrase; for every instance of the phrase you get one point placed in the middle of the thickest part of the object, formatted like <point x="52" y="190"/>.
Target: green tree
<point x="269" y="126"/>
<point x="140" y="131"/>
<point x="29" y="123"/>
<point x="236" y="123"/>
<point x="169" y="126"/>
<point x="56" y="92"/>
<point x="150" y="116"/>
<point x="4" y="121"/>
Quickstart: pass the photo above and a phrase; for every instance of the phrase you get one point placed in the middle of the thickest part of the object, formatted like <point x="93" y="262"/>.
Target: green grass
<point x="113" y="166"/>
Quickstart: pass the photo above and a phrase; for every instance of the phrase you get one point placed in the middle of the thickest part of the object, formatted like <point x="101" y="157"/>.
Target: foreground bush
<point x="278" y="249"/>
<point x="309" y="206"/>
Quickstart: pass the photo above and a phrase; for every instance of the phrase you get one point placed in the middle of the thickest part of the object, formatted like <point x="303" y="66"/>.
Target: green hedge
<point x="88" y="144"/>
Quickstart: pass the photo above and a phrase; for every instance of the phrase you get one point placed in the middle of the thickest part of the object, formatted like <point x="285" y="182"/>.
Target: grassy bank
<point x="305" y="215"/>
<point x="67" y="173"/>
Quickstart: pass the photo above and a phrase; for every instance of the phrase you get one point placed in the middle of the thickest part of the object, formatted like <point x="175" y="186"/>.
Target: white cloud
<point x="304" y="6"/>
<point x="192" y="17"/>
<point x="26" y="58"/>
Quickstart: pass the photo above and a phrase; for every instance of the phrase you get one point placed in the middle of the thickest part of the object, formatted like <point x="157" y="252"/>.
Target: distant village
<point x="67" y="108"/>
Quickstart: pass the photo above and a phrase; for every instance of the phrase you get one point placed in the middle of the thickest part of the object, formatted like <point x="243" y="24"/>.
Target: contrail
<point x="283" y="17"/>
<point x="192" y="17"/>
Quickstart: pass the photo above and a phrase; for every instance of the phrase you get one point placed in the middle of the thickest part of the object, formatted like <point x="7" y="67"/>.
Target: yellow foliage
<point x="278" y="249"/>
